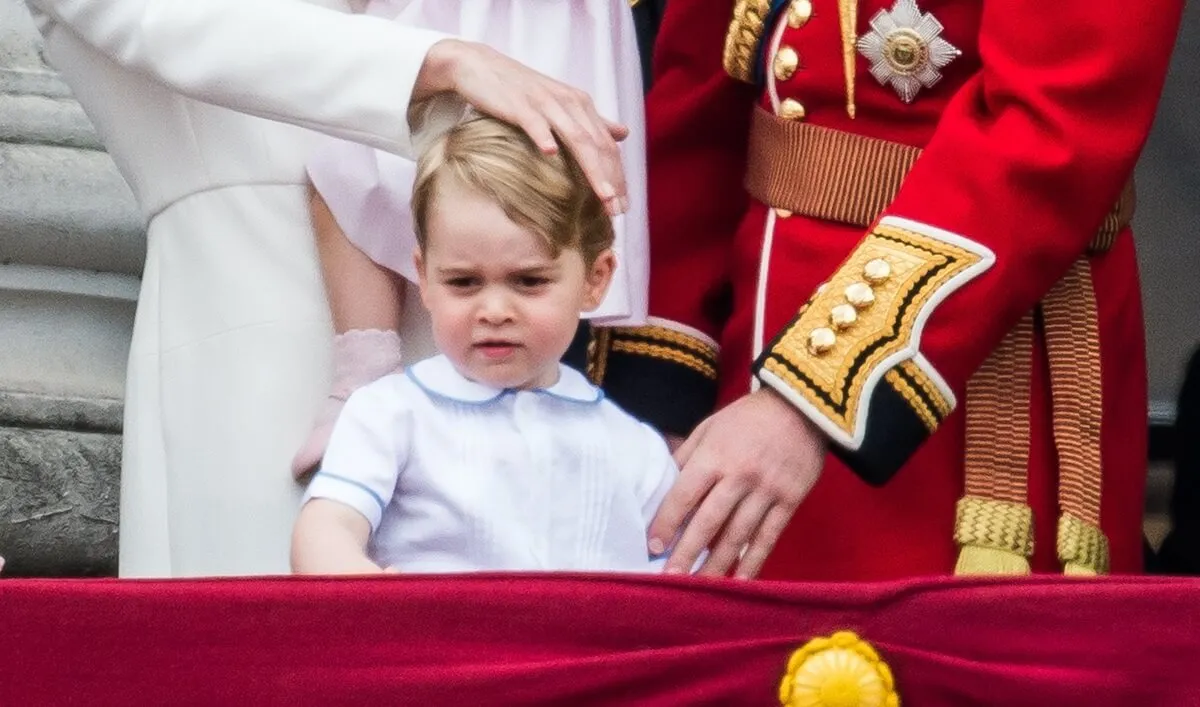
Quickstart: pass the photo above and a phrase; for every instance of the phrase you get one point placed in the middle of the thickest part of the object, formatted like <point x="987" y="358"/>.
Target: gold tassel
<point x="996" y="537"/>
<point x="976" y="560"/>
<point x="1082" y="547"/>
<point x="848" y="16"/>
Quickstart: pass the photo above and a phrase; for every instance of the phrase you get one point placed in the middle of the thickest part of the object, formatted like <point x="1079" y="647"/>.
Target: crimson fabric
<point x="1028" y="140"/>
<point x="569" y="639"/>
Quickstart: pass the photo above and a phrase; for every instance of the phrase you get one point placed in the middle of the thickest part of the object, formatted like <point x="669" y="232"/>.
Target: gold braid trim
<point x="667" y="353"/>
<point x="665" y="344"/>
<point x="1082" y="547"/>
<point x="919" y="378"/>
<point x="741" y="42"/>
<point x="902" y="386"/>
<point x="597" y="354"/>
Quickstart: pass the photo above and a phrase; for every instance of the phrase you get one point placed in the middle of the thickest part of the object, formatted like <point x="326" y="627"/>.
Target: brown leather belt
<point x="839" y="176"/>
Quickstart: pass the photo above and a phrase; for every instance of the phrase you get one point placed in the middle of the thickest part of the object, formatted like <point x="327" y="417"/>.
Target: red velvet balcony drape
<point x="586" y="640"/>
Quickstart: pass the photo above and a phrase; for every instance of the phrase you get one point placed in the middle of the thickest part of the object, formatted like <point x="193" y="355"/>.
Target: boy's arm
<point x="357" y="478"/>
<point x="331" y="538"/>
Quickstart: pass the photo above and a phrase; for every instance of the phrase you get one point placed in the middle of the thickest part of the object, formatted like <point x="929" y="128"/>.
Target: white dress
<point x="588" y="44"/>
<point x="230" y="356"/>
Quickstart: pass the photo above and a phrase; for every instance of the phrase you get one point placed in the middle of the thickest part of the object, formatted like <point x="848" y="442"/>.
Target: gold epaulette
<point x="745" y="32"/>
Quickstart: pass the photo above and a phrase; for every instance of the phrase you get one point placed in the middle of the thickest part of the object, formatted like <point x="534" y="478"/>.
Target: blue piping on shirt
<point x="352" y="482"/>
<point x="507" y="391"/>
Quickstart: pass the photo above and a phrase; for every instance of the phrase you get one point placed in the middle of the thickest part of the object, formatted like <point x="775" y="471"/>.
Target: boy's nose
<point x="495" y="308"/>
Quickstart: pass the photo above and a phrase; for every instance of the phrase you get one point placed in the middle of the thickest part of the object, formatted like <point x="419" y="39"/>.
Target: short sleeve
<point x="367" y="451"/>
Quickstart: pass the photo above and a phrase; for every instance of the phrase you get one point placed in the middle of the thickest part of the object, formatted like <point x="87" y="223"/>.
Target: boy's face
<point x="503" y="310"/>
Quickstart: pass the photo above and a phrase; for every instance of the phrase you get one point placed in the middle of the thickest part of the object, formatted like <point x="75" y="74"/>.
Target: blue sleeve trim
<point x="357" y="484"/>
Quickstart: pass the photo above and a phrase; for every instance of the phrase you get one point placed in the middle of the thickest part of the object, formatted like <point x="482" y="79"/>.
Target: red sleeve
<point x="1026" y="161"/>
<point x="697" y="122"/>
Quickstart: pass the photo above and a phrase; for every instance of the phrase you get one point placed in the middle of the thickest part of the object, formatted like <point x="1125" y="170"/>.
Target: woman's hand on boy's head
<point x="743" y="473"/>
<point x="507" y="89"/>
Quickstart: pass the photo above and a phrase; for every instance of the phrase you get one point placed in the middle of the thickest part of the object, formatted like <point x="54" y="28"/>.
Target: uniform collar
<point x="437" y="376"/>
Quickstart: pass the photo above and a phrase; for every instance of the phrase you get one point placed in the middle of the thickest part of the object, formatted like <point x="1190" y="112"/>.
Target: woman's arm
<point x="347" y="75"/>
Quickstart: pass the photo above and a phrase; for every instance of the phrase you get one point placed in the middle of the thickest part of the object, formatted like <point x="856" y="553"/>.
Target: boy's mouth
<point x="496" y="348"/>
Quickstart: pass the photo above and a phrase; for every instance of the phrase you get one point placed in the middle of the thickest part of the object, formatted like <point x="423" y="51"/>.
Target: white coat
<point x="208" y="108"/>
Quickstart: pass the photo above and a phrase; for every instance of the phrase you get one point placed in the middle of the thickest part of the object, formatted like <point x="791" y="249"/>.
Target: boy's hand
<point x="743" y="473"/>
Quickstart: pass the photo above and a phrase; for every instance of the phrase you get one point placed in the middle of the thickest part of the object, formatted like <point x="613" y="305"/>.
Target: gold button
<point x="877" y="271"/>
<point x="860" y="295"/>
<point x="791" y="109"/>
<point x="786" y="61"/>
<point x="821" y="341"/>
<point x="783" y="213"/>
<point x="843" y="316"/>
<point x="799" y="13"/>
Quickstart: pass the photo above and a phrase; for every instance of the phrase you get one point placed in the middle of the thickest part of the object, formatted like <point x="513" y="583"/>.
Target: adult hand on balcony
<point x="743" y="473"/>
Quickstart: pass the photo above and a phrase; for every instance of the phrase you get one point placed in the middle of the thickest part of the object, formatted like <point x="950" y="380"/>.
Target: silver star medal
<point x="905" y="49"/>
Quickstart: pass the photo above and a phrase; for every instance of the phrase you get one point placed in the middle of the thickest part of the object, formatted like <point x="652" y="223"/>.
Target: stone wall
<point x="71" y="248"/>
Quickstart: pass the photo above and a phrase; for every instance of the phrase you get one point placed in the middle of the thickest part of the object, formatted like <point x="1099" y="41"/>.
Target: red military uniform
<point x="988" y="146"/>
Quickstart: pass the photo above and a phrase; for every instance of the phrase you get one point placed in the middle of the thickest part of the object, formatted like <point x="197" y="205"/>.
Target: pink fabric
<point x="589" y="44"/>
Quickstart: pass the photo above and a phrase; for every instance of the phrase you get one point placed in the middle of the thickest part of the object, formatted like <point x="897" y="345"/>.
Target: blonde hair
<point x="548" y="194"/>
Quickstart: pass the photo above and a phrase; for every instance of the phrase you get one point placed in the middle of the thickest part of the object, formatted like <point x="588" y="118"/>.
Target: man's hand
<point x="743" y="472"/>
<point x="507" y="89"/>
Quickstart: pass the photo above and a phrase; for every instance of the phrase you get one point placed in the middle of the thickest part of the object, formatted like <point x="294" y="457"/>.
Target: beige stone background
<point x="71" y="247"/>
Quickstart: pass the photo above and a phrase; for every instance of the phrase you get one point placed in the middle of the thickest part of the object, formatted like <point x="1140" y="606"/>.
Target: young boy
<point x="360" y="202"/>
<point x="492" y="455"/>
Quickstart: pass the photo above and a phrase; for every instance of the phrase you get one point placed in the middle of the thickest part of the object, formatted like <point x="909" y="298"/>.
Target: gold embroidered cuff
<point x="865" y="325"/>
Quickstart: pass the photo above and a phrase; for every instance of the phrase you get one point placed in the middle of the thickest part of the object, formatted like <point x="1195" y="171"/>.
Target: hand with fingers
<point x="544" y="108"/>
<point x="743" y="473"/>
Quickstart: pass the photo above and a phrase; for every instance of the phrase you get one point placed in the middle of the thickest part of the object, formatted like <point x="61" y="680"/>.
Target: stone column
<point x="71" y="250"/>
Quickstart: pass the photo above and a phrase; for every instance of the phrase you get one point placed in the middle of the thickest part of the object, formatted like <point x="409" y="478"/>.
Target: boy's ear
<point x="422" y="277"/>
<point x="599" y="277"/>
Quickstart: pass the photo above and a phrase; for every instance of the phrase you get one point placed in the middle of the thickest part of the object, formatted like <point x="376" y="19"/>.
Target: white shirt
<point x="457" y="476"/>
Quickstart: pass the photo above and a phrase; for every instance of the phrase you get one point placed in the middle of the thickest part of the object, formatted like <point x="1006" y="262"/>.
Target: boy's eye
<point x="462" y="283"/>
<point x="532" y="281"/>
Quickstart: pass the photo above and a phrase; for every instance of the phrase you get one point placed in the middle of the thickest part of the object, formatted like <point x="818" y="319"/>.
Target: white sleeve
<point x="661" y="472"/>
<point x="346" y="75"/>
<point x="367" y="452"/>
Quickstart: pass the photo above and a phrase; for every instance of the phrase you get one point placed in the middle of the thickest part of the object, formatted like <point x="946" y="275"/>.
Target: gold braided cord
<point x="994" y="525"/>
<point x="1073" y="348"/>
<point x="848" y="19"/>
<point x="741" y="41"/>
<point x="997" y="449"/>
